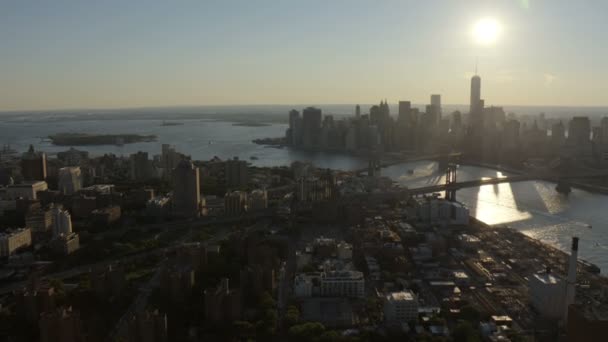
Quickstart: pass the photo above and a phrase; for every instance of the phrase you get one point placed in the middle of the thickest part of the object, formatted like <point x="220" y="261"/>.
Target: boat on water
<point x="169" y="123"/>
<point x="563" y="188"/>
<point x="410" y="172"/>
<point x="253" y="158"/>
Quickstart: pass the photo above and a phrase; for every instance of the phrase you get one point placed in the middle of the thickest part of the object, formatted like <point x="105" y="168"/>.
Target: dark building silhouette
<point x="311" y="126"/>
<point x="33" y="165"/>
<point x="579" y="131"/>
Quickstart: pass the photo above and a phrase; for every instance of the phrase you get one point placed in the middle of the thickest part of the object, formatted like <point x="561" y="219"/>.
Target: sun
<point x="486" y="31"/>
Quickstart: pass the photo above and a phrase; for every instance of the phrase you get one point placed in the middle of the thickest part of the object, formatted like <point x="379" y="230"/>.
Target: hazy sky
<point x="96" y="54"/>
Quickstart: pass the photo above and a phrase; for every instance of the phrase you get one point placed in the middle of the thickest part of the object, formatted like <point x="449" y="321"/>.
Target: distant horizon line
<point x="296" y="105"/>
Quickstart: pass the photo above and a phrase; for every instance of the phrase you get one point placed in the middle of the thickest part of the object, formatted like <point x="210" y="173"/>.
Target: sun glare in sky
<point x="486" y="31"/>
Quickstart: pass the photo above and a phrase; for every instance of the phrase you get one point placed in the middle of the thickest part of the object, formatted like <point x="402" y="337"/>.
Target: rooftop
<point x="401" y="296"/>
<point x="547" y="278"/>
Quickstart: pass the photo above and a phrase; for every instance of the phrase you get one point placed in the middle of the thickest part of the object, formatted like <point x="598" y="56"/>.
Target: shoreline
<point x="584" y="264"/>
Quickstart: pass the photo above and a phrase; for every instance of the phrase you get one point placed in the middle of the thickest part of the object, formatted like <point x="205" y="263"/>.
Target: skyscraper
<point x="357" y="111"/>
<point x="186" y="190"/>
<point x="579" y="131"/>
<point x="604" y="129"/>
<point x="311" y="126"/>
<point x="475" y="93"/>
<point x="436" y="103"/>
<point x="295" y="131"/>
<point x="33" y="165"/>
<point x="405" y="112"/>
<point x="237" y="173"/>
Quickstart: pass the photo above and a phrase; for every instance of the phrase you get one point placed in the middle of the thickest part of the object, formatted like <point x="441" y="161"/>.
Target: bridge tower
<point x="563" y="187"/>
<point x="450" y="178"/>
<point x="374" y="165"/>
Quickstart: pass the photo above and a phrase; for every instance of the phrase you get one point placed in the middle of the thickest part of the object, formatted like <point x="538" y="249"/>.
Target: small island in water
<point x="74" y="139"/>
<point x="171" y="123"/>
<point x="250" y="124"/>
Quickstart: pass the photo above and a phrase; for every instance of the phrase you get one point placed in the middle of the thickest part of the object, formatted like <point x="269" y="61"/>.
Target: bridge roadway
<point x="470" y="184"/>
<point x="406" y="160"/>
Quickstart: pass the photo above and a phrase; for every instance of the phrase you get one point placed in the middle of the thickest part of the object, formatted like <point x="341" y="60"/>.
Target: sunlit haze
<point x="486" y="31"/>
<point x="115" y="53"/>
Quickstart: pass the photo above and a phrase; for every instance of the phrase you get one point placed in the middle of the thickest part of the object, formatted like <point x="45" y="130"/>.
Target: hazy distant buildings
<point x="604" y="130"/>
<point x="405" y="112"/>
<point x="558" y="134"/>
<point x="33" y="165"/>
<point x="186" y="190"/>
<point x="579" y="131"/>
<point x="70" y="180"/>
<point x="436" y="107"/>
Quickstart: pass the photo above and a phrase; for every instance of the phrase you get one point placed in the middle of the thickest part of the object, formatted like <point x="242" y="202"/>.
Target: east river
<point x="533" y="207"/>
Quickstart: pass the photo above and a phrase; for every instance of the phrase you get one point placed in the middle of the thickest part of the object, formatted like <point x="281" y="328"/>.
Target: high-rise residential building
<point x="26" y="190"/>
<point x="400" y="307"/>
<point x="235" y="203"/>
<point x="436" y="105"/>
<point x="169" y="160"/>
<point x="70" y="180"/>
<point x="343" y="284"/>
<point x="604" y="130"/>
<point x="140" y="167"/>
<point x="34" y="299"/>
<point x="222" y="303"/>
<point x="13" y="240"/>
<point x="62" y="325"/>
<point x="258" y="200"/>
<point x="33" y="165"/>
<point x="295" y="128"/>
<point x="311" y="126"/>
<point x="148" y="327"/>
<point x="186" y="190"/>
<point x="72" y="157"/>
<point x="237" y="173"/>
<point x="62" y="222"/>
<point x="579" y="131"/>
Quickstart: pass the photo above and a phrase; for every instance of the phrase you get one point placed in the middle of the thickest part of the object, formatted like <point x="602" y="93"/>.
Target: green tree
<point x="243" y="329"/>
<point x="293" y="315"/>
<point x="470" y="314"/>
<point x="464" y="332"/>
<point x="306" y="331"/>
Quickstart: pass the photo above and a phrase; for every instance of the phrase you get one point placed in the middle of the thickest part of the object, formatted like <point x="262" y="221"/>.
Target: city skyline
<point x="114" y="55"/>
